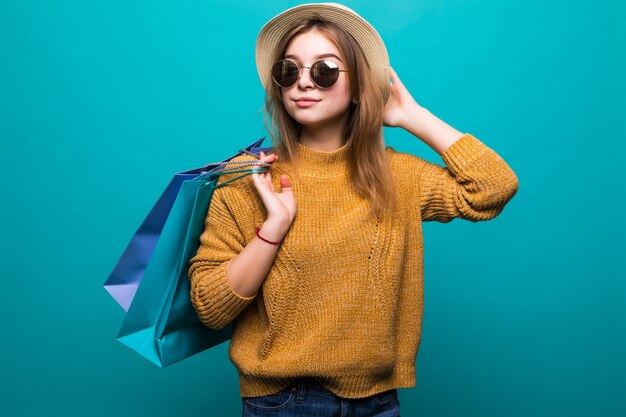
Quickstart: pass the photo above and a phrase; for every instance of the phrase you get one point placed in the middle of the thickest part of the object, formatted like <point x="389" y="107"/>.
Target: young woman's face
<point x="307" y="103"/>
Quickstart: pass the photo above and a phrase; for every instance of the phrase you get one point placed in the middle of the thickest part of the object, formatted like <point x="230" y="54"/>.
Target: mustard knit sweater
<point x="343" y="300"/>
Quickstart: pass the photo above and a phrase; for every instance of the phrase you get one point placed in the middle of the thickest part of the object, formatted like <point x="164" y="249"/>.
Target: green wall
<point x="101" y="101"/>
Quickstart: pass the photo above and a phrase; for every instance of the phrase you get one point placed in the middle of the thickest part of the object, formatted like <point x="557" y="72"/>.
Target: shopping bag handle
<point x="244" y="168"/>
<point x="254" y="152"/>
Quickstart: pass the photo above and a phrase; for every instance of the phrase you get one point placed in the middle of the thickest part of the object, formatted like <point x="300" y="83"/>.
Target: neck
<point x="325" y="138"/>
<point x="315" y="163"/>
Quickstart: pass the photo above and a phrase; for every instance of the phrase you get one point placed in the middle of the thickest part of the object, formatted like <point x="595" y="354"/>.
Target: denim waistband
<point x="309" y="384"/>
<point x="301" y="386"/>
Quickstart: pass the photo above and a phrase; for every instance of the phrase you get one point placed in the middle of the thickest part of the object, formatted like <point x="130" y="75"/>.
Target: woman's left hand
<point x="403" y="111"/>
<point x="401" y="104"/>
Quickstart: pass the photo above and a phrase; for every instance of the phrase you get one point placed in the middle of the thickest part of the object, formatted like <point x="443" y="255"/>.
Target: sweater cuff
<point x="221" y="304"/>
<point x="463" y="152"/>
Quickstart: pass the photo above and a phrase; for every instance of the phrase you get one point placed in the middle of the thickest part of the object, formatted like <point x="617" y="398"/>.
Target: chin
<point x="312" y="120"/>
<point x="305" y="121"/>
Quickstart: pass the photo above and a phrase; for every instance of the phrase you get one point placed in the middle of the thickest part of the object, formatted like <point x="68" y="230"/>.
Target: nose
<point x="305" y="81"/>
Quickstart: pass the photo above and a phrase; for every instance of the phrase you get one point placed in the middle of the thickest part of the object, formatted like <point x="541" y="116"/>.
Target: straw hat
<point x="365" y="35"/>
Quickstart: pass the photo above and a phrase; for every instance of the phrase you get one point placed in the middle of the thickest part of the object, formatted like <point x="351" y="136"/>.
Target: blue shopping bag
<point x="161" y="324"/>
<point x="123" y="281"/>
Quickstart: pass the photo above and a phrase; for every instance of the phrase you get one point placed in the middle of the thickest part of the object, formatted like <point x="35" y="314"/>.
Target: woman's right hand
<point x="280" y="206"/>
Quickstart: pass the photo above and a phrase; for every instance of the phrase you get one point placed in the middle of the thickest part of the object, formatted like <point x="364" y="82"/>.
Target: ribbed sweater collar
<point x="319" y="164"/>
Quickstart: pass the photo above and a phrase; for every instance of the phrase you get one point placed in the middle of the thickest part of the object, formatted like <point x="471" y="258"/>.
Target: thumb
<point x="285" y="183"/>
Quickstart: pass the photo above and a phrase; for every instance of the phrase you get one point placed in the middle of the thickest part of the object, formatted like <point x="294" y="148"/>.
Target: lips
<point x="304" y="102"/>
<point x="306" y="99"/>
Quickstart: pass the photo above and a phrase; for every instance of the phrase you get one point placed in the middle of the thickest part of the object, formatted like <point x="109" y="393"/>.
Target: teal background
<point x="101" y="101"/>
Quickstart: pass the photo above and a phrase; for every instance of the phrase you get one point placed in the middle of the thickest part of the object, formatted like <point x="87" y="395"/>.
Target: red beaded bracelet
<point x="265" y="240"/>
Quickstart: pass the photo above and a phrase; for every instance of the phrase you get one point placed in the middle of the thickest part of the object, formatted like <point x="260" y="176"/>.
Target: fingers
<point x="271" y="158"/>
<point x="263" y="186"/>
<point x="257" y="181"/>
<point x="263" y="183"/>
<point x="263" y="180"/>
<point x="266" y="177"/>
<point x="394" y="78"/>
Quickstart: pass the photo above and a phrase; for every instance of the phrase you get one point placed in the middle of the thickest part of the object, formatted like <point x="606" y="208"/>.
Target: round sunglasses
<point x="324" y="74"/>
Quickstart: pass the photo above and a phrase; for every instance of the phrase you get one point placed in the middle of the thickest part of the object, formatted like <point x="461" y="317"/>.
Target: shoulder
<point x="233" y="178"/>
<point x="404" y="163"/>
<point x="234" y="194"/>
<point x="406" y="170"/>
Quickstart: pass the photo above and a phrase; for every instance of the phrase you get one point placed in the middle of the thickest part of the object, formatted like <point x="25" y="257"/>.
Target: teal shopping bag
<point x="161" y="324"/>
<point x="123" y="281"/>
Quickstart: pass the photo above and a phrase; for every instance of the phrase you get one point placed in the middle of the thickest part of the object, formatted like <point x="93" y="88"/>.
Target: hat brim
<point x="366" y="36"/>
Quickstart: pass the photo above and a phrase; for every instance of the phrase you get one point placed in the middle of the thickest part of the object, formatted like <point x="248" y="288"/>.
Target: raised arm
<point x="475" y="185"/>
<point x="476" y="182"/>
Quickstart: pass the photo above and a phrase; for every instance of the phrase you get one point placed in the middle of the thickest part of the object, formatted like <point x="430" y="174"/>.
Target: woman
<point x="318" y="262"/>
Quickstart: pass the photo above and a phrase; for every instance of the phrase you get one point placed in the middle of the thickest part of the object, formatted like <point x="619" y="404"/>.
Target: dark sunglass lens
<point x="285" y="73"/>
<point x="324" y="73"/>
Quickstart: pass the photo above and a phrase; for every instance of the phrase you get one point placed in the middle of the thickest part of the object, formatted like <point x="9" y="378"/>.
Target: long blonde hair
<point x="369" y="169"/>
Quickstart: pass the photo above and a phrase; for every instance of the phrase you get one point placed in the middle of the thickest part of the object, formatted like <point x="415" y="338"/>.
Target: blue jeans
<point x="308" y="398"/>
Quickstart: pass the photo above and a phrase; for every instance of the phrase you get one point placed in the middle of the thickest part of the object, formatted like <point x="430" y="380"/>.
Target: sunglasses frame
<point x="302" y="67"/>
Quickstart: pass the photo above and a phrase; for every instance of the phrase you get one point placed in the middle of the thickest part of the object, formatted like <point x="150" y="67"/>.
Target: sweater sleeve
<point x="475" y="185"/>
<point x="212" y="297"/>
